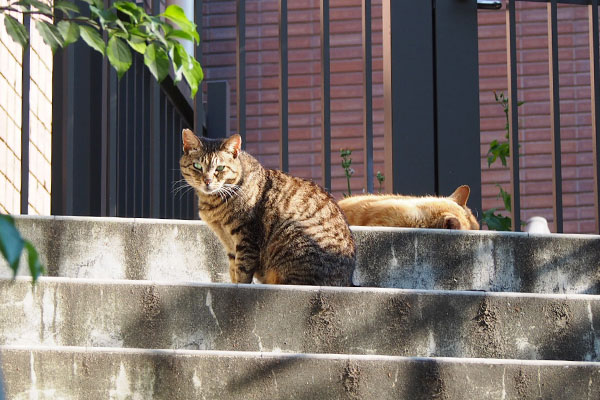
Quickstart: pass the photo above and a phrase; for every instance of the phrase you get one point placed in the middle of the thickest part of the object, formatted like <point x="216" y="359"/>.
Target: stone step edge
<point x="285" y="355"/>
<point x="184" y="374"/>
<point x="305" y="288"/>
<point x="448" y="232"/>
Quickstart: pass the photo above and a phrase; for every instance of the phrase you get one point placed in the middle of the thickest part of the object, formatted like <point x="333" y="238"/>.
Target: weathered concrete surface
<point x="78" y="312"/>
<point x="115" y="248"/>
<point x="86" y="373"/>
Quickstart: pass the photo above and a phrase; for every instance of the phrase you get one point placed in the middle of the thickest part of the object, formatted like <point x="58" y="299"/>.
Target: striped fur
<point x="274" y="227"/>
<point x="411" y="212"/>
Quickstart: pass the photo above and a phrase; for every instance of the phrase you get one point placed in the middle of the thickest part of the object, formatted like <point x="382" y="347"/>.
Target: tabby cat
<point x="411" y="212"/>
<point x="274" y="227"/>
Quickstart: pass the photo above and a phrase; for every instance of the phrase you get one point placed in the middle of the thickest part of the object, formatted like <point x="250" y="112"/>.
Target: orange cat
<point x="411" y="212"/>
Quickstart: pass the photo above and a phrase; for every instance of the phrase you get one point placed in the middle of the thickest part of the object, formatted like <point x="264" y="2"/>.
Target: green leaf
<point x="176" y="33"/>
<point x="137" y="45"/>
<point x="69" y="31"/>
<point x="506" y="198"/>
<point x="496" y="222"/>
<point x="157" y="61"/>
<point x="175" y="14"/>
<point x="135" y="31"/>
<point x="95" y="3"/>
<point x="193" y="75"/>
<point x="16" y="30"/>
<point x="129" y="8"/>
<point x="119" y="55"/>
<point x="92" y="38"/>
<point x="11" y="242"/>
<point x="35" y="266"/>
<point x="51" y="35"/>
<point x="105" y="16"/>
<point x="24" y="5"/>
<point x="42" y="7"/>
<point x="66" y="6"/>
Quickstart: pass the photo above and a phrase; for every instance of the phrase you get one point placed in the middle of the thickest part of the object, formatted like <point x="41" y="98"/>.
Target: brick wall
<point x="40" y="117"/>
<point x="346" y="91"/>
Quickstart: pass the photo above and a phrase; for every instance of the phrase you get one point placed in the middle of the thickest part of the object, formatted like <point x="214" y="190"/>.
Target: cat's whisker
<point x="178" y="186"/>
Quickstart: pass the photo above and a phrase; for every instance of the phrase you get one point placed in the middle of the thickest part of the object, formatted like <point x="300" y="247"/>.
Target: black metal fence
<point x="431" y="95"/>
<point x="555" y="104"/>
<point x="117" y="143"/>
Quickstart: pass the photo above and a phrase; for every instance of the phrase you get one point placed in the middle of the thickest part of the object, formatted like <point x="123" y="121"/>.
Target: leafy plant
<point x="127" y="27"/>
<point x="12" y="245"/>
<point x="500" y="151"/>
<point x="348" y="170"/>
<point x="380" y="179"/>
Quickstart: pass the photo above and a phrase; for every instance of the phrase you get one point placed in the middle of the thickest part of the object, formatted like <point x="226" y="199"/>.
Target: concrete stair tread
<point x="214" y="316"/>
<point x="84" y="372"/>
<point x="121" y="248"/>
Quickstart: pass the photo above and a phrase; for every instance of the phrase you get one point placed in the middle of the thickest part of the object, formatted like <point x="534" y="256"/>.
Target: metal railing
<point x="554" y="105"/>
<point x="439" y="90"/>
<point x="117" y="143"/>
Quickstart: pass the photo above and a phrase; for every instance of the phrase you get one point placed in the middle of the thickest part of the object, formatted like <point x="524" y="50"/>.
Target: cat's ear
<point x="232" y="145"/>
<point x="461" y="195"/>
<point x="190" y="141"/>
<point x="451" y="222"/>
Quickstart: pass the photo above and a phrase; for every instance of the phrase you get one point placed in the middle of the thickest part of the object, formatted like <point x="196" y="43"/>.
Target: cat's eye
<point x="198" y="166"/>
<point x="220" y="168"/>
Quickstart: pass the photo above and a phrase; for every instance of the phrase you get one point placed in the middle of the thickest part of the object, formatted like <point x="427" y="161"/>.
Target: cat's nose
<point x="207" y="181"/>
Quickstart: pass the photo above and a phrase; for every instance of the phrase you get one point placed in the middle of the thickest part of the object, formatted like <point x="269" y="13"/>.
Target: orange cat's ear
<point x="190" y="141"/>
<point x="461" y="195"/>
<point x="232" y="144"/>
<point x="451" y="222"/>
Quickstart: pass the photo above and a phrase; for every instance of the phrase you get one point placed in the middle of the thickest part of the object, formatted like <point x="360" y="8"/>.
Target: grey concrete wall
<point x="85" y="373"/>
<point x="270" y="318"/>
<point x="169" y="250"/>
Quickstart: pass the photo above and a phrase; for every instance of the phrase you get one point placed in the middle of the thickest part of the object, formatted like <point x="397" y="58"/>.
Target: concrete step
<point x="115" y="248"/>
<point x="299" y="319"/>
<point x="102" y="373"/>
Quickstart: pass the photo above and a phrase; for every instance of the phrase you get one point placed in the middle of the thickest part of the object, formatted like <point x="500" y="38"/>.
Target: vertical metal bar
<point x="25" y="85"/>
<point x="155" y="136"/>
<point x="108" y="141"/>
<point x="174" y="157"/>
<point x="513" y="114"/>
<point x="408" y="77"/>
<point x="139" y="122"/>
<point x="146" y="142"/>
<point x="122" y="154"/>
<point x="130" y="134"/>
<point x="178" y="151"/>
<point x="199" y="117"/>
<point x="217" y="109"/>
<point x="456" y="99"/>
<point x="367" y="93"/>
<point x="283" y="85"/>
<point x="325" y="98"/>
<point x="595" y="92"/>
<point x="241" y="69"/>
<point x="136" y="122"/>
<point x="555" y="112"/>
<point x="58" y="132"/>
<point x="142" y="137"/>
<point x="162" y="158"/>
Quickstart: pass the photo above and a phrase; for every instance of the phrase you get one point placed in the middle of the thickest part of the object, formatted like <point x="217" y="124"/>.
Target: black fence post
<point x="76" y="136"/>
<point x="25" y="86"/>
<point x="457" y="99"/>
<point x="217" y="109"/>
<point x="408" y="97"/>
